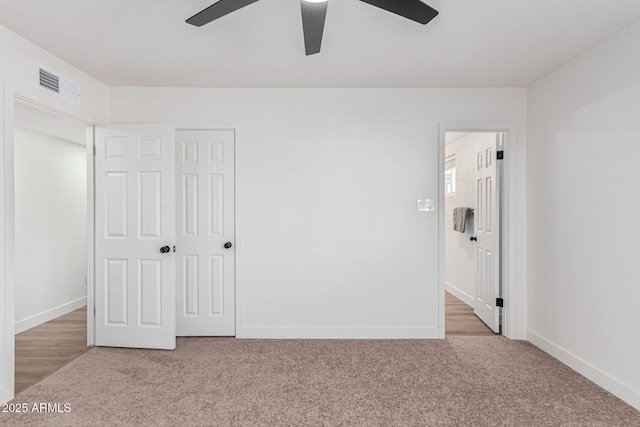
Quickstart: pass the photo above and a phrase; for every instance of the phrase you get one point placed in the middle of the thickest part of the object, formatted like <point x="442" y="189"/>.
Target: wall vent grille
<point x="49" y="81"/>
<point x="59" y="86"/>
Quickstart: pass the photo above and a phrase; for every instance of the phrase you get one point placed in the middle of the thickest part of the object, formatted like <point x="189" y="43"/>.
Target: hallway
<point x="44" y="349"/>
<point x="460" y="319"/>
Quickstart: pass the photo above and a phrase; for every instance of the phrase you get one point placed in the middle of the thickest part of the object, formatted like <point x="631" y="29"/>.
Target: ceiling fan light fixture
<point x="314" y="13"/>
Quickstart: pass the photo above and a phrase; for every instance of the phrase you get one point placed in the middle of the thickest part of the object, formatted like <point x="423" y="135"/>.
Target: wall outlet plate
<point x="425" y="205"/>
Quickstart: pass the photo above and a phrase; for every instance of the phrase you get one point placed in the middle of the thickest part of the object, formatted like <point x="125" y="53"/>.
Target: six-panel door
<point x="135" y="218"/>
<point x="487" y="230"/>
<point x="205" y="299"/>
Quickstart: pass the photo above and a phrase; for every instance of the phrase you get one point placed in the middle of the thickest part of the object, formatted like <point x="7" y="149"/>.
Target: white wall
<point x="330" y="242"/>
<point x="583" y="204"/>
<point x="51" y="227"/>
<point x="460" y="277"/>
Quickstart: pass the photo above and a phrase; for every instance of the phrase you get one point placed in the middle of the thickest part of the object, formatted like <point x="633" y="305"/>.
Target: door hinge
<point x="499" y="302"/>
<point x="94" y="311"/>
<point x="94" y="150"/>
<point x="500" y="154"/>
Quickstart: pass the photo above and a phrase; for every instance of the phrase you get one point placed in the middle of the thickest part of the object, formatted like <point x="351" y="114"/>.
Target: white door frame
<point x="7" y="235"/>
<point x="7" y="213"/>
<point x="510" y="312"/>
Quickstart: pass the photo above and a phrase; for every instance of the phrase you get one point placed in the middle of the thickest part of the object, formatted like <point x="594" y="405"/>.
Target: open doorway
<point x="473" y="181"/>
<point x="50" y="242"/>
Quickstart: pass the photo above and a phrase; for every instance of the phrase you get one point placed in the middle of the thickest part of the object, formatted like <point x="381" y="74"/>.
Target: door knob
<point x="228" y="245"/>
<point x="165" y="249"/>
<point x="473" y="238"/>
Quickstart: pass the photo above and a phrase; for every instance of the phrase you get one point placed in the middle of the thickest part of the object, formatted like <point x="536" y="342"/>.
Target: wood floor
<point x="46" y="348"/>
<point x="460" y="319"/>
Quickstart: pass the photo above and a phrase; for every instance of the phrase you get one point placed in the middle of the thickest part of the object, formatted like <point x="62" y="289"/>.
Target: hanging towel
<point x="460" y="216"/>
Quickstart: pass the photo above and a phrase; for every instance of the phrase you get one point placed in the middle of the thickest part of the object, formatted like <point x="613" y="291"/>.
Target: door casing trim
<point x="510" y="312"/>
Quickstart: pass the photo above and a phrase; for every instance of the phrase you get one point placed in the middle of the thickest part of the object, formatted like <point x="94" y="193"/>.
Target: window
<point x="450" y="175"/>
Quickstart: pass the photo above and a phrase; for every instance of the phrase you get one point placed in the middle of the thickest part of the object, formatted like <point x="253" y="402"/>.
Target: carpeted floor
<point x="460" y="381"/>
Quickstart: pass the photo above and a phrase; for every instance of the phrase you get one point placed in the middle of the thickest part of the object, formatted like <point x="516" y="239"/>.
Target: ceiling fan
<point x="314" y="13"/>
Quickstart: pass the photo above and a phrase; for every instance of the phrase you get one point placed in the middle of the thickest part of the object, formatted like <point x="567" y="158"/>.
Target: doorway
<point x="51" y="241"/>
<point x="473" y="179"/>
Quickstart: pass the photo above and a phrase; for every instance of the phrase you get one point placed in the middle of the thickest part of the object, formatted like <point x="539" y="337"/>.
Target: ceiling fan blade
<point x="217" y="10"/>
<point x="313" y="16"/>
<point x="410" y="9"/>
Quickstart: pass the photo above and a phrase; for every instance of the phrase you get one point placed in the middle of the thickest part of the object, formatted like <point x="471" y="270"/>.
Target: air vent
<point x="59" y="86"/>
<point x="49" y="81"/>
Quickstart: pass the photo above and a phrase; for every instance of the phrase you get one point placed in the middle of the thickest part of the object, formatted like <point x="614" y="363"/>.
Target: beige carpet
<point x="460" y="381"/>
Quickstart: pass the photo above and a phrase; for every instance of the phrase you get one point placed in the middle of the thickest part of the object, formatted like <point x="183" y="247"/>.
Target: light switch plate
<point x="425" y="205"/>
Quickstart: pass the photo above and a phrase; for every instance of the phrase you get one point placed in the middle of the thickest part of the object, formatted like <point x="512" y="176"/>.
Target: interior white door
<point x="135" y="219"/>
<point x="206" y="230"/>
<point x="487" y="229"/>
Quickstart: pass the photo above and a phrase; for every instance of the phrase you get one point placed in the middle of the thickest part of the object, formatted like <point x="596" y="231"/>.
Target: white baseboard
<point x="604" y="380"/>
<point x="43" y="317"/>
<point x="465" y="297"/>
<point x="339" y="333"/>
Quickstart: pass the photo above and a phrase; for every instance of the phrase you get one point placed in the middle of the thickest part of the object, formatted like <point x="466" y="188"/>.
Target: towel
<point x="460" y="216"/>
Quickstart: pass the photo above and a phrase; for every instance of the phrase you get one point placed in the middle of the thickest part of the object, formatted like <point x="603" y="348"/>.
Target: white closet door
<point x="135" y="236"/>
<point x="206" y="230"/>
<point x="487" y="229"/>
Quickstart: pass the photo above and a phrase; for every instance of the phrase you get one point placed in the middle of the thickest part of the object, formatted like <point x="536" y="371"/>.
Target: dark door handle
<point x="165" y="249"/>
<point x="228" y="245"/>
<point x="473" y="238"/>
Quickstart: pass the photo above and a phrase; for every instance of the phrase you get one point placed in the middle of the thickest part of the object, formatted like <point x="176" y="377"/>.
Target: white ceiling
<point x="472" y="43"/>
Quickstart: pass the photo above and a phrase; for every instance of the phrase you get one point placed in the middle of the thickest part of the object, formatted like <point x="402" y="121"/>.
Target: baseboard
<point x="43" y="317"/>
<point x="466" y="298"/>
<point x="339" y="333"/>
<point x="604" y="380"/>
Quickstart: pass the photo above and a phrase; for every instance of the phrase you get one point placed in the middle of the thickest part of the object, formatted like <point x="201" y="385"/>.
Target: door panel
<point x="135" y="217"/>
<point x="205" y="300"/>
<point x="487" y="217"/>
